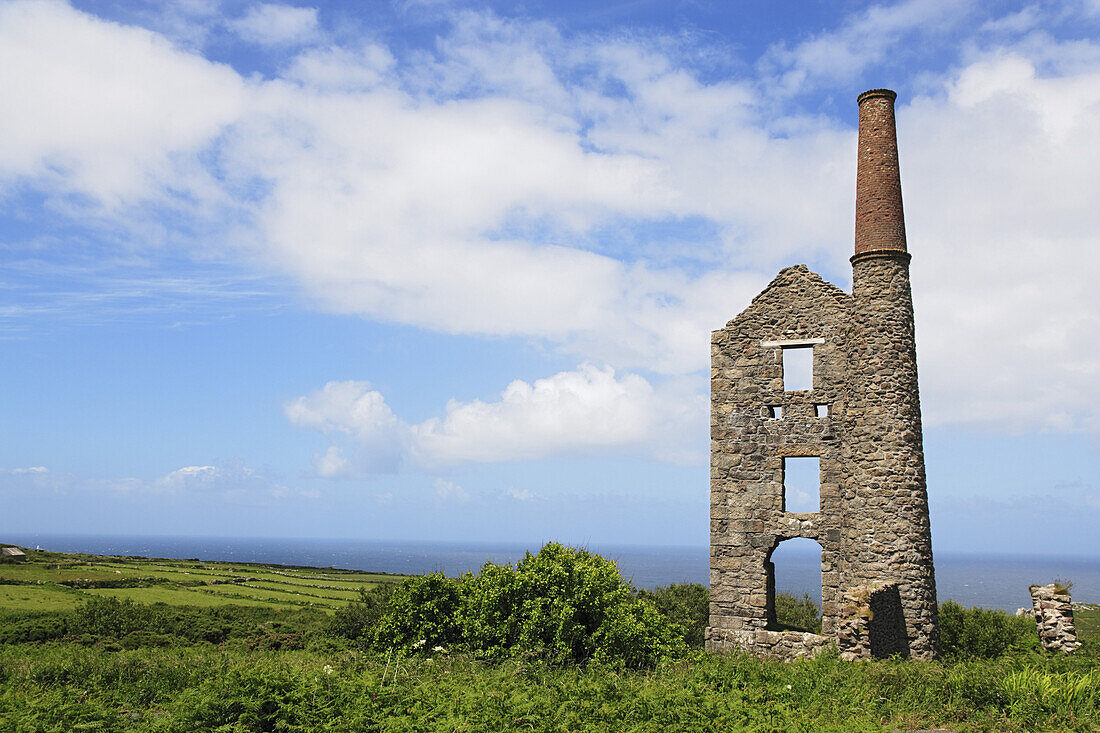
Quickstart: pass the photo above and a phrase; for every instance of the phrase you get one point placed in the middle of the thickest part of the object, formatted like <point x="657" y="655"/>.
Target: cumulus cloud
<point x="590" y="411"/>
<point x="106" y="111"/>
<point x="518" y="182"/>
<point x="352" y="409"/>
<point x="274" y="24"/>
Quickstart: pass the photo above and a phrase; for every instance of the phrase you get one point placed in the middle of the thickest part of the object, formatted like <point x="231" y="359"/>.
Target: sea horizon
<point x="989" y="580"/>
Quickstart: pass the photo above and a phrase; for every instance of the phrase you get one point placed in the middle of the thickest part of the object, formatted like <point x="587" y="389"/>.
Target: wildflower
<point x="419" y="644"/>
<point x="788" y="687"/>
<point x="438" y="649"/>
<point x="327" y="669"/>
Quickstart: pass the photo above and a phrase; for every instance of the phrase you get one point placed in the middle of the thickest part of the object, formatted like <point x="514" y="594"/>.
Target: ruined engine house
<point x="860" y="419"/>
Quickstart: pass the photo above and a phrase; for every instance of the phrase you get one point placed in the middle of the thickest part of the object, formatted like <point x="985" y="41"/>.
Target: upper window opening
<point x="798" y="368"/>
<point x="802" y="484"/>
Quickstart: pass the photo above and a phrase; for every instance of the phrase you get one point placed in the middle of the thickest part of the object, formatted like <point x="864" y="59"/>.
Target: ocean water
<point x="990" y="581"/>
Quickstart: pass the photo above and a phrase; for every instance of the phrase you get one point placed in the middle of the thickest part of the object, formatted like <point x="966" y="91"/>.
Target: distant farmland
<point x="53" y="581"/>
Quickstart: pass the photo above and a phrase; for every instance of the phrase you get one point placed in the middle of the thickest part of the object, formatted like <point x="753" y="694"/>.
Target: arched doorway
<point x="794" y="585"/>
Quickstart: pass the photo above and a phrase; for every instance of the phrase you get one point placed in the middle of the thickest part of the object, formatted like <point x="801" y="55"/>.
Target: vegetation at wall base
<point x="114" y="664"/>
<point x="204" y="687"/>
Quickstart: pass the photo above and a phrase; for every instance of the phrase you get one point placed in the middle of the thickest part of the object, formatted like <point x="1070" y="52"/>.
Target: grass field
<point x="237" y="647"/>
<point x="1086" y="617"/>
<point x="51" y="581"/>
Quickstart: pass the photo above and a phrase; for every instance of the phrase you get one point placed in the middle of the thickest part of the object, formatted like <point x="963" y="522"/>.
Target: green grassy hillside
<point x="55" y="581"/>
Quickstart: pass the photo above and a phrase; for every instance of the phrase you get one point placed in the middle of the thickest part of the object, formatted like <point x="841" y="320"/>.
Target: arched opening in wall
<point x="794" y="586"/>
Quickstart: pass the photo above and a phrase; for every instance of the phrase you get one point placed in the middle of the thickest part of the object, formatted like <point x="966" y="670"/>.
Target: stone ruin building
<point x="861" y="420"/>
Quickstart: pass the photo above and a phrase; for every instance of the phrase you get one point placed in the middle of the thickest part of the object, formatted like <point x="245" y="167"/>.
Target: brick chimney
<point x="880" y="222"/>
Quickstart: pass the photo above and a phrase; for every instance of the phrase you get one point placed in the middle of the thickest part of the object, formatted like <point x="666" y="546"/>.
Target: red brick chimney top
<point x="880" y="221"/>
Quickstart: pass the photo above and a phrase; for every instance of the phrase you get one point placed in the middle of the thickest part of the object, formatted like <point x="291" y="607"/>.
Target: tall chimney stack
<point x="880" y="222"/>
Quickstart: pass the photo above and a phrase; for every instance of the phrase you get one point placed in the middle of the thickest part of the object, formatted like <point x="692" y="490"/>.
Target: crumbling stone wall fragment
<point x="1054" y="618"/>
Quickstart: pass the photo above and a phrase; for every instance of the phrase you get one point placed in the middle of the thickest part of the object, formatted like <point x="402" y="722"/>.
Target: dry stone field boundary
<point x="57" y="581"/>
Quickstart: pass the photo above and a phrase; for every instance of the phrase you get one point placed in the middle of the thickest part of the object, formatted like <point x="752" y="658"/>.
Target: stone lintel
<point x="791" y="343"/>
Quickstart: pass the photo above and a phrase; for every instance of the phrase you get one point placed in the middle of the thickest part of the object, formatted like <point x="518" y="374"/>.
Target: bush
<point x="797" y="614"/>
<point x="977" y="633"/>
<point x="686" y="604"/>
<point x="113" y="618"/>
<point x="561" y="605"/>
<point x="359" y="619"/>
<point x="423" y="611"/>
<point x="564" y="605"/>
<point x="23" y="627"/>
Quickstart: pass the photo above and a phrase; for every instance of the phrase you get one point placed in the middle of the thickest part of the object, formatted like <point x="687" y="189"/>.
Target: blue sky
<point x="427" y="270"/>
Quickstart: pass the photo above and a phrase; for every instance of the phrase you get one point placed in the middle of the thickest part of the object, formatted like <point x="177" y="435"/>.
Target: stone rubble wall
<point x="782" y="645"/>
<point x="872" y="623"/>
<point x="1054" y="618"/>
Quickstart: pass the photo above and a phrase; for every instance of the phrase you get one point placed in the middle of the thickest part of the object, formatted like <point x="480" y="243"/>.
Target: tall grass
<point x="199" y="688"/>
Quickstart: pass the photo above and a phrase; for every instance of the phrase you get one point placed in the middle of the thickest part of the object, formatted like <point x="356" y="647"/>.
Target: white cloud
<point x="104" y="110"/>
<point x="27" y="470"/>
<point x="1000" y="183"/>
<point x="342" y="69"/>
<point x="450" y="491"/>
<point x="861" y="40"/>
<point x="589" y="411"/>
<point x="232" y="480"/>
<point x="188" y="477"/>
<point x="274" y="24"/>
<point x="486" y="188"/>
<point x="352" y="409"/>
<point x="521" y="494"/>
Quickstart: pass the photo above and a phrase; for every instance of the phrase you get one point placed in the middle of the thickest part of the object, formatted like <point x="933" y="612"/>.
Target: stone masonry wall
<point x="783" y="645"/>
<point x="748" y="515"/>
<point x="872" y="623"/>
<point x="1054" y="618"/>
<point x="887" y="535"/>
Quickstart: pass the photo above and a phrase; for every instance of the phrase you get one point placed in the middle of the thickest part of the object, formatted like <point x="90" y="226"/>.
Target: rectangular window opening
<point x="774" y="411"/>
<point x="821" y="410"/>
<point x="798" y="368"/>
<point x="802" y="484"/>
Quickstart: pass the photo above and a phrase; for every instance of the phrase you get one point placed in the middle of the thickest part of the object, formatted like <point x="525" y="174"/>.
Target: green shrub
<point x="797" y="614"/>
<point x="359" y="619"/>
<point x="560" y="605"/>
<point x="422" y="612"/>
<point x="978" y="633"/>
<point x="29" y="626"/>
<point x="686" y="604"/>
<point x="110" y="617"/>
<point x="563" y="605"/>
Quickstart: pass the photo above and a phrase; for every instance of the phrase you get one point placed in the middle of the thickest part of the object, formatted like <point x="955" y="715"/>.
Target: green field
<point x="130" y="644"/>
<point x="51" y="581"/>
